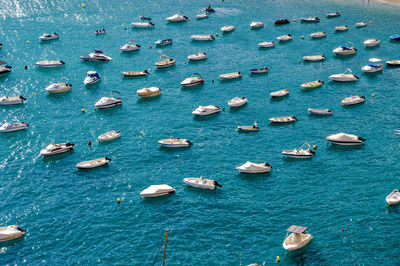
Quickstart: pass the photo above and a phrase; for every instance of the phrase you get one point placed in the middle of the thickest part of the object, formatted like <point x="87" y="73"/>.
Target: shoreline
<point x="387" y="2"/>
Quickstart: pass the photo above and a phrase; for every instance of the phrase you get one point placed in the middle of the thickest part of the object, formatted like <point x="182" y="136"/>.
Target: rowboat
<point x="312" y="84"/>
<point x="93" y="163"/>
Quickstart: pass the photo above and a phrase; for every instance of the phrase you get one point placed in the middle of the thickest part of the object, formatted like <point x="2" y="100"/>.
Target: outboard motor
<point x="108" y="159"/>
<point x="217" y="184"/>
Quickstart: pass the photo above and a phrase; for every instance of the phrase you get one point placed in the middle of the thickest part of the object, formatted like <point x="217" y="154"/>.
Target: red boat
<point x="282" y="21"/>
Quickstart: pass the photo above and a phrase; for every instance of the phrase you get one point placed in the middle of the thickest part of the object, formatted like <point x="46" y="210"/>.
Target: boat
<point x="201" y="16"/>
<point x="252" y="128"/>
<point x="393" y="63"/>
<point x="254" y="168"/>
<point x="393" y="197"/>
<point x="5" y="69"/>
<point x="361" y="24"/>
<point x="163" y="42"/>
<point x="310" y="19"/>
<point x="233" y="75"/>
<point x="317" y="35"/>
<point x="312" y="84"/>
<point x="11" y="232"/>
<point x="135" y="74"/>
<point x="300" y="153"/>
<point x="202" y="38"/>
<point x="343" y="50"/>
<point x="333" y="15"/>
<point x="157" y="191"/>
<point x="280" y="93"/>
<point x="395" y="37"/>
<point x="91" y="78"/>
<point x="345" y="139"/>
<point x="100" y="32"/>
<point x="194" y="80"/>
<point x="58" y="87"/>
<point x="177" y="18"/>
<point x="374" y="60"/>
<point x="11" y="127"/>
<point x="352" y="100"/>
<point x="237" y="102"/>
<point x="96" y="56"/>
<point x="13" y="100"/>
<point x="209" y="9"/>
<point x="148" y="92"/>
<point x="48" y="37"/>
<point x="372" y="42"/>
<point x="142" y="24"/>
<point x="93" y="163"/>
<point x="313" y="111"/>
<point x="54" y="149"/>
<point x="50" y="63"/>
<point x="108" y="102"/>
<point x="202" y="183"/>
<point x="370" y="68"/>
<point x="197" y="56"/>
<point x="259" y="70"/>
<point x="144" y="18"/>
<point x="165" y="61"/>
<point x="266" y="44"/>
<point x="283" y="119"/>
<point x="130" y="46"/>
<point x="313" y="58"/>
<point x="298" y="238"/>
<point x="175" y="143"/>
<point x="341" y="28"/>
<point x="206" y="110"/>
<point x="281" y="22"/>
<point x="256" y="24"/>
<point x="285" y="38"/>
<point x="344" y="77"/>
<point x="110" y="135"/>
<point x="227" y="28"/>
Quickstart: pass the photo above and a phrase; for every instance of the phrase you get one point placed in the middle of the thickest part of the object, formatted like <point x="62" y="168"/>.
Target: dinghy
<point x="266" y="44"/>
<point x="361" y="24"/>
<point x="5" y="69"/>
<point x="345" y="139"/>
<point x="14" y="100"/>
<point x="313" y="111"/>
<point x="157" y="191"/>
<point x="201" y="16"/>
<point x="227" y="28"/>
<point x="209" y="9"/>
<point x="317" y="35"/>
<point x="142" y="24"/>
<point x="256" y="24"/>
<point x="91" y="78"/>
<point x="163" y="42"/>
<point x="310" y="19"/>
<point x="148" y="92"/>
<point x="313" y="58"/>
<point x="12" y="127"/>
<point x="135" y="74"/>
<point x="130" y="46"/>
<point x="300" y="153"/>
<point x="194" y="80"/>
<point x="175" y="143"/>
<point x="206" y="110"/>
<point x="202" y="37"/>
<point x="197" y="56"/>
<point x="202" y="183"/>
<point x="395" y="37"/>
<point x="93" y="163"/>
<point x="372" y="42"/>
<point x="285" y="38"/>
<point x="49" y="37"/>
<point x="347" y="76"/>
<point x="283" y="119"/>
<point x="253" y="128"/>
<point x="279" y="93"/>
<point x="297" y="239"/>
<point x="254" y="168"/>
<point x="333" y="15"/>
<point x="237" y="102"/>
<point x="110" y="135"/>
<point x="393" y="197"/>
<point x="343" y="50"/>
<point x="393" y="63"/>
<point x="341" y="28"/>
<point x="177" y="18"/>
<point x="108" y="102"/>
<point x="259" y="70"/>
<point x="49" y="63"/>
<point x="233" y="75"/>
<point x="58" y="87"/>
<point x="352" y="100"/>
<point x="371" y="68"/>
<point x="312" y="84"/>
<point x="11" y="232"/>
<point x="281" y="22"/>
<point x="164" y="62"/>
<point x="54" y="149"/>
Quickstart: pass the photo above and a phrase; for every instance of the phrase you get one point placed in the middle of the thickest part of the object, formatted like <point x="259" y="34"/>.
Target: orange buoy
<point x="118" y="200"/>
<point x="373" y="95"/>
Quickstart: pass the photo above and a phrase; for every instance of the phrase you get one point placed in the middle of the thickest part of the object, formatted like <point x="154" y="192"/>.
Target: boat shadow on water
<point x="146" y="100"/>
<point x="48" y="69"/>
<point x="160" y="70"/>
<point x="278" y="99"/>
<point x="237" y="109"/>
<point x="253" y="176"/>
<point x="154" y="200"/>
<point x="10" y="243"/>
<point x="206" y="117"/>
<point x="343" y="147"/>
<point x="84" y="172"/>
<point x="393" y="208"/>
<point x="344" y="57"/>
<point x="200" y="191"/>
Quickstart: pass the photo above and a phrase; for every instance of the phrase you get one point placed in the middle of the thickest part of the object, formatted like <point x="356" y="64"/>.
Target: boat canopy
<point x="374" y="66"/>
<point x="296" y="229"/>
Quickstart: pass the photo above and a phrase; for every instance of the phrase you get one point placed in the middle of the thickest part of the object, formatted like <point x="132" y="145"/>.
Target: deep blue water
<point x="72" y="217"/>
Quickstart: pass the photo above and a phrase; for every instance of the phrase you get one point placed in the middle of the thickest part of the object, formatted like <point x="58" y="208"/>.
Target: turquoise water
<point x="72" y="217"/>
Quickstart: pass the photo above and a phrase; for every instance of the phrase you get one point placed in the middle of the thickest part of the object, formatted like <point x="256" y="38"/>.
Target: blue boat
<point x="209" y="9"/>
<point x="395" y="37"/>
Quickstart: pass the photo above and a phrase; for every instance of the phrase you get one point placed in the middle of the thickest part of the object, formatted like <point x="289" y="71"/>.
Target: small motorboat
<point x="237" y="102"/>
<point x="280" y="93"/>
<point x="341" y="28"/>
<point x="227" y="28"/>
<point x="58" y="87"/>
<point x="163" y="42"/>
<point x="298" y="238"/>
<point x="361" y="24"/>
<point x="372" y="42"/>
<point x="5" y="69"/>
<point x="281" y="22"/>
<point x="142" y="24"/>
<point x="165" y="61"/>
<point x="333" y="15"/>
<point x="93" y="163"/>
<point x="144" y="18"/>
<point x="310" y="19"/>
<point x="393" y="63"/>
<point x="345" y="139"/>
<point x="393" y="197"/>
<point x="194" y="80"/>
<point x="266" y="44"/>
<point x="347" y="76"/>
<point x="254" y="168"/>
<point x="343" y="50"/>
<point x="282" y="119"/>
<point x="148" y="92"/>
<point x="91" y="78"/>
<point x="11" y="232"/>
<point x="317" y="35"/>
<point x="374" y="60"/>
<point x="54" y="149"/>
<point x="352" y="100"/>
<point x="130" y="46"/>
<point x="209" y="9"/>
<point x="108" y="102"/>
<point x="197" y="56"/>
<point x="252" y="128"/>
<point x="48" y="37"/>
<point x="157" y="191"/>
<point x="233" y="75"/>
<point x="371" y="68"/>
<point x="49" y="63"/>
<point x="313" y="111"/>
<point x="259" y="70"/>
<point x="110" y="135"/>
<point x="135" y="74"/>
<point x="313" y="58"/>
<point x="395" y="37"/>
<point x="175" y="143"/>
<point x="202" y="38"/>
<point x="285" y="38"/>
<point x="11" y="127"/>
<point x="202" y="183"/>
<point x="14" y="100"/>
<point x="100" y="32"/>
<point x="300" y="153"/>
<point x="96" y="56"/>
<point x="206" y="110"/>
<point x="312" y="84"/>
<point x="177" y="18"/>
<point x="201" y="16"/>
<point x="256" y="24"/>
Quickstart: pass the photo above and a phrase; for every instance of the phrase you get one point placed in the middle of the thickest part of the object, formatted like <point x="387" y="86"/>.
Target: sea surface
<point x="72" y="217"/>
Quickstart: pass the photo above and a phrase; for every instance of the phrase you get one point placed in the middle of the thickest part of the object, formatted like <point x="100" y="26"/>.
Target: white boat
<point x="266" y="44"/>
<point x="345" y="139"/>
<point x="310" y="19"/>
<point x="202" y="37"/>
<point x="163" y="42"/>
<point x="49" y="63"/>
<point x="256" y="24"/>
<point x="206" y="110"/>
<point x="194" y="80"/>
<point x="201" y="16"/>
<point x="237" y="102"/>
<point x="393" y="63"/>
<point x="283" y="119"/>
<point x="93" y="163"/>
<point x="165" y="61"/>
<point x="5" y="69"/>
<point x="313" y="58"/>
<point x="142" y="24"/>
<point x="253" y="128"/>
<point x="254" y="168"/>
<point x="11" y="232"/>
<point x="280" y="93"/>
<point x="393" y="197"/>
<point x="344" y="77"/>
<point x="352" y="100"/>
<point x="228" y="28"/>
<point x="300" y="153"/>
<point x="312" y="84"/>
<point x="372" y="42"/>
<point x="197" y="56"/>
<point x="157" y="191"/>
<point x="54" y="149"/>
<point x="341" y="28"/>
<point x="202" y="183"/>
<point x="96" y="56"/>
<point x="361" y="24"/>
<point x="297" y="239"/>
<point x="233" y="75"/>
<point x="343" y="50"/>
<point x="313" y="111"/>
<point x="135" y="73"/>
<point x="130" y="46"/>
<point x="58" y="87"/>
<point x="175" y="143"/>
<point x="14" y="100"/>
<point x="108" y="102"/>
<point x="177" y="18"/>
<point x="91" y="78"/>
<point x="259" y="70"/>
<point x="11" y="127"/>
<point x="110" y="135"/>
<point x="332" y="15"/>
<point x="285" y="38"/>
<point x="148" y="92"/>
<point x="374" y="60"/>
<point x="370" y="68"/>
<point x="48" y="37"/>
<point x="317" y="35"/>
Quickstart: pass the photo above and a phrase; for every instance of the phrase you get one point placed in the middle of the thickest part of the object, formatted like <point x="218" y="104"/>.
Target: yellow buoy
<point x="294" y="20"/>
<point x="27" y="42"/>
<point x="83" y="5"/>
<point x="314" y="147"/>
<point x="236" y="129"/>
<point x="83" y="110"/>
<point x="278" y="259"/>
<point x="118" y="200"/>
<point x="370" y="21"/>
<point x="216" y="34"/>
<point x="302" y="36"/>
<point x="373" y="95"/>
<point x="35" y="93"/>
